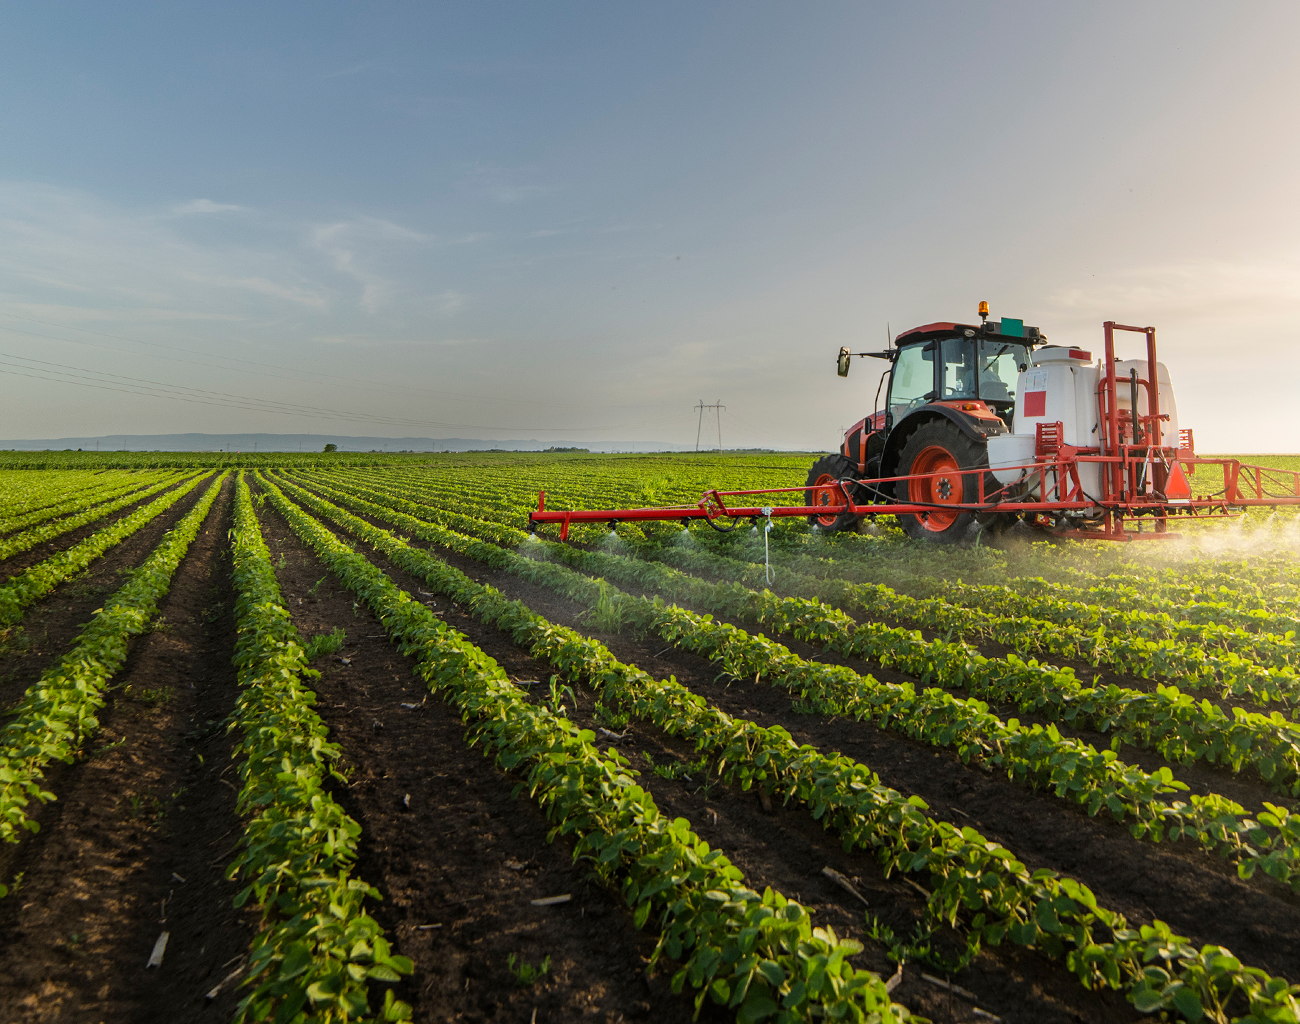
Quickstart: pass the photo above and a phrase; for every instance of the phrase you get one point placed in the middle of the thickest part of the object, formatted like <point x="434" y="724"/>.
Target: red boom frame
<point x="1139" y="480"/>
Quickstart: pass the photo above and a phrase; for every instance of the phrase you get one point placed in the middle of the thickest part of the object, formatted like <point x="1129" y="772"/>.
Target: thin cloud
<point x="56" y="314"/>
<point x="263" y="286"/>
<point x="1194" y="289"/>
<point x="503" y="185"/>
<point x="205" y="206"/>
<point x="350" y="71"/>
<point x="356" y="246"/>
<point x="61" y="242"/>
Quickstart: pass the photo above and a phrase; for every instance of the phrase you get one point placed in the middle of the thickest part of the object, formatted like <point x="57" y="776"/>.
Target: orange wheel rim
<point x="944" y="487"/>
<point x="827" y="491"/>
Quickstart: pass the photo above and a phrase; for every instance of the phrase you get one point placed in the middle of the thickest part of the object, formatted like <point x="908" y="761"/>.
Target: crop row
<point x="1169" y="721"/>
<point x="317" y="944"/>
<point x="515" y="495"/>
<point x="26" y="493"/>
<point x="974" y="881"/>
<point x="1188" y="664"/>
<point x="57" y="713"/>
<point x="52" y="528"/>
<point x="36" y="581"/>
<point x="1120" y="608"/>
<point x="1068" y="564"/>
<point x="757" y="953"/>
<point x="1145" y="644"/>
<point x="870" y="562"/>
<point x="1073" y="769"/>
<point x="101" y="490"/>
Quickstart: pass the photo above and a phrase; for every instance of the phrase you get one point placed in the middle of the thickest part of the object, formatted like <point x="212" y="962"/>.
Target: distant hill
<point x="313" y="443"/>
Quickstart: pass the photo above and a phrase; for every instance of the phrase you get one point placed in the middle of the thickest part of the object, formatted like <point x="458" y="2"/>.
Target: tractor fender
<point x="978" y="430"/>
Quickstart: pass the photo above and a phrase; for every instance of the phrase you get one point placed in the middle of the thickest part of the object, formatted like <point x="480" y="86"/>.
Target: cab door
<point x="913" y="383"/>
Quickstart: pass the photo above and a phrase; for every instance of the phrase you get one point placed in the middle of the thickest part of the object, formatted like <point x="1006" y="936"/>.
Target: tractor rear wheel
<point x="938" y="451"/>
<point x="824" y="478"/>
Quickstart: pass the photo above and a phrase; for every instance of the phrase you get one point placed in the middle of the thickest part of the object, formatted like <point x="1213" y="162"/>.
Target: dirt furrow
<point x="1174" y="883"/>
<point x="456" y="855"/>
<point x="136" y="842"/>
<point x="50" y="625"/>
<point x="786" y="849"/>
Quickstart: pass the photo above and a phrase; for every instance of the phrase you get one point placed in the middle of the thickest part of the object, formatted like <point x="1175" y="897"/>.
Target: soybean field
<point x="323" y="738"/>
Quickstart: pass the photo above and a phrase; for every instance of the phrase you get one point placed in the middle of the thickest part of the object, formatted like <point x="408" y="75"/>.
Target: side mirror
<point x="842" y="366"/>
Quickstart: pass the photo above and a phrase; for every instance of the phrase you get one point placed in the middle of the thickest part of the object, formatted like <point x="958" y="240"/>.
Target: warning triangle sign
<point x="1176" y="487"/>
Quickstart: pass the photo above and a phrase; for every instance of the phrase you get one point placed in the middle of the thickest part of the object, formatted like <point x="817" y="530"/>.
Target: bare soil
<point x="457" y="856"/>
<point x="145" y="823"/>
<point x="1172" y="882"/>
<point x="53" y="623"/>
<point x="135" y="843"/>
<point x="785" y="848"/>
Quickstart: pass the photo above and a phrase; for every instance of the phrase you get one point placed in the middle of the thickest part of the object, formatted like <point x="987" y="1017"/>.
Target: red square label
<point x="1035" y="403"/>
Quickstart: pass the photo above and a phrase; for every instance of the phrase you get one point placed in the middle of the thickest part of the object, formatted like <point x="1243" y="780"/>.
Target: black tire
<point x="826" y="469"/>
<point x="926" y="449"/>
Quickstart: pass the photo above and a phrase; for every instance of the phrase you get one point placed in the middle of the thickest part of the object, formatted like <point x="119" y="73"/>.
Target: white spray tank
<point x="1060" y="386"/>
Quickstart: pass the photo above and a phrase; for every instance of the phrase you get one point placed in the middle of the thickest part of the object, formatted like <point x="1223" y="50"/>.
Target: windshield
<point x="1000" y="362"/>
<point x="984" y="368"/>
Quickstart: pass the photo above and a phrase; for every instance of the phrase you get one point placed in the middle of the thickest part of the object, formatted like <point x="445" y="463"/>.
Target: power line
<point x="156" y="389"/>
<point x="296" y="373"/>
<point x="258" y="404"/>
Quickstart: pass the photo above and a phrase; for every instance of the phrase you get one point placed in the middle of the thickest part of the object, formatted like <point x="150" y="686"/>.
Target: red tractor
<point x="985" y="425"/>
<point x="951" y="388"/>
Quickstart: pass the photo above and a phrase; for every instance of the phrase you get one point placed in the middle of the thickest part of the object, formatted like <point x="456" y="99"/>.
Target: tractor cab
<point x="950" y="387"/>
<point x="963" y="365"/>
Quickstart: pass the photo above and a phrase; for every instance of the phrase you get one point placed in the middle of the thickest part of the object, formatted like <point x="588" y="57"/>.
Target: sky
<point x="577" y="221"/>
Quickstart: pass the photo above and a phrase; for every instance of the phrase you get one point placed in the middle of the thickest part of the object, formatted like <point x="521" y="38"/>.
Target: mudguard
<point x="977" y="428"/>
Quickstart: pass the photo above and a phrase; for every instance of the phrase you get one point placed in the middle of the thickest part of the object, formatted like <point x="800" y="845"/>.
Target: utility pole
<point x="717" y="407"/>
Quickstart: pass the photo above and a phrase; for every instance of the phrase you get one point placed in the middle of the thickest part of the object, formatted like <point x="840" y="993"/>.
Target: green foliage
<point x="57" y="713"/>
<point x="1040" y="756"/>
<point x="607" y="615"/>
<point x="38" y="580"/>
<point x="525" y="974"/>
<point x="675" y="769"/>
<point x="325" y="644"/>
<point x="611" y="716"/>
<point x="921" y="947"/>
<point x="317" y="945"/>
<point x="974" y="884"/>
<point x="758" y="954"/>
<point x="50" y="528"/>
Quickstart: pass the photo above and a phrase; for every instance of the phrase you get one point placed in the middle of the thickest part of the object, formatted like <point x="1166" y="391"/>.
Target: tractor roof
<point x="1026" y="335"/>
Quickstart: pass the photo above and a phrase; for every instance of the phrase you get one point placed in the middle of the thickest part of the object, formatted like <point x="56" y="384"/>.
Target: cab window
<point x="912" y="382"/>
<point x="958" y="368"/>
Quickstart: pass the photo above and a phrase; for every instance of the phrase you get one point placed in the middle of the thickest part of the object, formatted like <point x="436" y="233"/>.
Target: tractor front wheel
<point x="934" y="457"/>
<point x="824" y="479"/>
